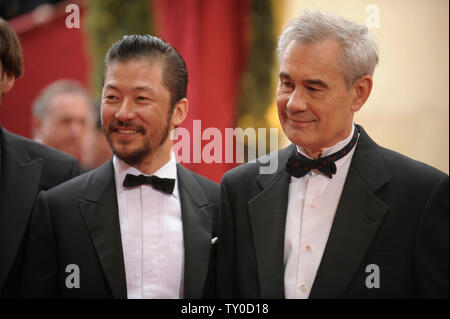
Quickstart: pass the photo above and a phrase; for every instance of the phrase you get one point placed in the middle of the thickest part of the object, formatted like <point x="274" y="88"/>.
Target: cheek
<point x="51" y="127"/>
<point x="153" y="117"/>
<point x="281" y="104"/>
<point x="319" y="111"/>
<point x="336" y="113"/>
<point x="107" y="115"/>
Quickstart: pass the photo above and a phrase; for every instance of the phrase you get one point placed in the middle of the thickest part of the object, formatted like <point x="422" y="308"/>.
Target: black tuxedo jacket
<point x="78" y="223"/>
<point x="26" y="169"/>
<point x="393" y="212"/>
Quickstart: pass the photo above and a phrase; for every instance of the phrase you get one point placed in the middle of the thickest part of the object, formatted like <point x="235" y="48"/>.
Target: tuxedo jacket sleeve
<point x="27" y="168"/>
<point x="77" y="223"/>
<point x="393" y="213"/>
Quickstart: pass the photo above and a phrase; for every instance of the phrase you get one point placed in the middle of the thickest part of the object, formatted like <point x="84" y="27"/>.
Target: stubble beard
<point x="138" y="155"/>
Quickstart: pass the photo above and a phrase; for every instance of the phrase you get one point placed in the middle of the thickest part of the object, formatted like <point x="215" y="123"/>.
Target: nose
<point x="126" y="111"/>
<point x="297" y="101"/>
<point x="78" y="128"/>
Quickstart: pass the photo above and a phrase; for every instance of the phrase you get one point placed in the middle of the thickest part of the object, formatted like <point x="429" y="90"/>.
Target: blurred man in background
<point x="26" y="168"/>
<point x="61" y="116"/>
<point x="96" y="151"/>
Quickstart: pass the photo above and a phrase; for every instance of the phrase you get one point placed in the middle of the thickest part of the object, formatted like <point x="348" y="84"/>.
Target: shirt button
<point x="308" y="247"/>
<point x="303" y="287"/>
<point x="312" y="204"/>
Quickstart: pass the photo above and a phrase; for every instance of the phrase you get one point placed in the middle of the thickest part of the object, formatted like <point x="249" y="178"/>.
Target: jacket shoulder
<point x="210" y="188"/>
<point x="205" y="182"/>
<point x="37" y="150"/>
<point x="57" y="166"/>
<point x="70" y="189"/>
<point x="401" y="166"/>
<point x="251" y="170"/>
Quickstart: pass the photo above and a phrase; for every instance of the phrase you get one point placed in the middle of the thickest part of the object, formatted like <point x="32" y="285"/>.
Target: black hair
<point x="175" y="75"/>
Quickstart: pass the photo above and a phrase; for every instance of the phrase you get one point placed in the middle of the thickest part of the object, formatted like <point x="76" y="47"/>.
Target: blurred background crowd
<point x="229" y="47"/>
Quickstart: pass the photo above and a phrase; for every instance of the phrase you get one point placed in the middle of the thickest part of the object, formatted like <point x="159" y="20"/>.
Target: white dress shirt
<point x="312" y="203"/>
<point x="152" y="235"/>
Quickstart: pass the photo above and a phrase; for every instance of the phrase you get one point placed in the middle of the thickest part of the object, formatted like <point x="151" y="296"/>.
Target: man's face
<point x="136" y="112"/>
<point x="96" y="150"/>
<point x="64" y="126"/>
<point x="6" y="82"/>
<point x="314" y="105"/>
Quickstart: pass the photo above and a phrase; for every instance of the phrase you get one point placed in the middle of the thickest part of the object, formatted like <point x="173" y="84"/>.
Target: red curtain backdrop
<point x="51" y="52"/>
<point x="212" y="36"/>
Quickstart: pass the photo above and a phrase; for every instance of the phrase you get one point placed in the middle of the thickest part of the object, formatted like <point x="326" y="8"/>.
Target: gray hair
<point x="359" y="51"/>
<point x="42" y="102"/>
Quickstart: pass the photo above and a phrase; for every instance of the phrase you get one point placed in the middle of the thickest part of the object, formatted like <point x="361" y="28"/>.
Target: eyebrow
<point x="138" y="88"/>
<point x="284" y="75"/>
<point x="145" y="88"/>
<point x="317" y="82"/>
<point x="109" y="86"/>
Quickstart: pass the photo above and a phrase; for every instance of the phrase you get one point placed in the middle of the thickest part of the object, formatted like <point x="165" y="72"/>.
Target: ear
<point x="7" y="83"/>
<point x="36" y="123"/>
<point x="361" y="89"/>
<point x="180" y="111"/>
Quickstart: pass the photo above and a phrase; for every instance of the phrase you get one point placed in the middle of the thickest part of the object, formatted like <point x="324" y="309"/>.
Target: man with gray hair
<point x="61" y="116"/>
<point x="341" y="217"/>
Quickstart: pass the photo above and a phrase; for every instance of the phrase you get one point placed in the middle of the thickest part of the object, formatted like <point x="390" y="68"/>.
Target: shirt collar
<point x="168" y="170"/>
<point x="336" y="147"/>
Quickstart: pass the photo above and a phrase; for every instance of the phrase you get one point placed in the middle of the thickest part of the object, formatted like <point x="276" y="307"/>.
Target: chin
<point x="132" y="155"/>
<point x="299" y="142"/>
<point x="130" y="158"/>
<point x="296" y="137"/>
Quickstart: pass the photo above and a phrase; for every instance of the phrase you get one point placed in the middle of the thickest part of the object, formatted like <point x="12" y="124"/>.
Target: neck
<point x="156" y="159"/>
<point x="312" y="153"/>
<point x="316" y="152"/>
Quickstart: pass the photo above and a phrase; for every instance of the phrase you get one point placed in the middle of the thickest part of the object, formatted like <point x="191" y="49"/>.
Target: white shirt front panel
<point x="152" y="235"/>
<point x="312" y="203"/>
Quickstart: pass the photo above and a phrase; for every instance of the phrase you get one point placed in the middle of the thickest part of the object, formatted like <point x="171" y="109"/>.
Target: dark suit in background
<point x="26" y="169"/>
<point x="78" y="223"/>
<point x="393" y="212"/>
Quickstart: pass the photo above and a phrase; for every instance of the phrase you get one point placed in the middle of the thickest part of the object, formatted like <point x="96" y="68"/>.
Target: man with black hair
<point x="140" y="226"/>
<point x="26" y="168"/>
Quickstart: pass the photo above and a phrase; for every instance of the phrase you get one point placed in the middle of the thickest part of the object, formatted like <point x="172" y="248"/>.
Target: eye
<point x="142" y="98"/>
<point x="111" y="98"/>
<point x="286" y="84"/>
<point x="315" y="92"/>
<point x="66" y="121"/>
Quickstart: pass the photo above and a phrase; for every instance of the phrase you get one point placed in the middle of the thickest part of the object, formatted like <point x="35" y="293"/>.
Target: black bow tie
<point x="299" y="165"/>
<point x="165" y="185"/>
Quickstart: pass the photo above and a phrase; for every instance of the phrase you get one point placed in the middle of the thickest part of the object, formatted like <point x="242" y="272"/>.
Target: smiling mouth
<point x="300" y="122"/>
<point x="126" y="131"/>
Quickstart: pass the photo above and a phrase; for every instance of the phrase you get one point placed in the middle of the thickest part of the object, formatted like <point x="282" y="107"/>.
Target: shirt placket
<point x="133" y="242"/>
<point x="152" y="235"/>
<point x="307" y="253"/>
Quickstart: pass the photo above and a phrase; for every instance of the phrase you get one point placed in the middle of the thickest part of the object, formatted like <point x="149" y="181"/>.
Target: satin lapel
<point x="21" y="184"/>
<point x="100" y="213"/>
<point x="267" y="212"/>
<point x="197" y="215"/>
<point x="358" y="216"/>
